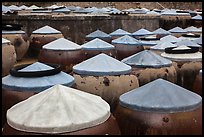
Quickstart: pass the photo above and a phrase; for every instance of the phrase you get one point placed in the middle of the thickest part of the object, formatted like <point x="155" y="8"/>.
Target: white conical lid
<point x="5" y="9"/>
<point x="127" y="40"/>
<point x="100" y="65"/>
<point x="46" y="30"/>
<point x="198" y="40"/>
<point x="62" y="44"/>
<point x="33" y="7"/>
<point x="160" y="31"/>
<point x="36" y="84"/>
<point x="58" y="109"/>
<point x="187" y="42"/>
<point x="23" y="7"/>
<point x="161" y="96"/>
<point x="142" y="32"/>
<point x="5" y="41"/>
<point x="153" y="13"/>
<point x="181" y="47"/>
<point x="119" y="32"/>
<point x="147" y="58"/>
<point x="169" y="38"/>
<point x="163" y="45"/>
<point x="14" y="7"/>
<point x="177" y="30"/>
<point x="192" y="29"/>
<point x="97" y="44"/>
<point x="197" y="17"/>
<point x="98" y="34"/>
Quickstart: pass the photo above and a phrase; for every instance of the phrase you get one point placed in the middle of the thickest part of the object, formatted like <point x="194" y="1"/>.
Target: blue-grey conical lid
<point x="141" y="32"/>
<point x="13" y="32"/>
<point x="14" y="8"/>
<point x="119" y="32"/>
<point x="187" y="42"/>
<point x="162" y="45"/>
<point x="36" y="84"/>
<point x="161" y="31"/>
<point x="192" y="29"/>
<point x="197" y="17"/>
<point x="198" y="40"/>
<point x="97" y="44"/>
<point x="126" y="40"/>
<point x="98" y="34"/>
<point x="62" y="44"/>
<point x="161" y="96"/>
<point x="147" y="58"/>
<point x="4" y="41"/>
<point x="5" y="9"/>
<point x="169" y="38"/>
<point x="46" y="30"/>
<point x="153" y="13"/>
<point x="177" y="30"/>
<point x="101" y="65"/>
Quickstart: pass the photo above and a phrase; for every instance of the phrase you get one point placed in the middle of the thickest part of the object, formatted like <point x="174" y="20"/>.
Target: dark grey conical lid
<point x="147" y="58"/>
<point x="36" y="84"/>
<point x="161" y="96"/>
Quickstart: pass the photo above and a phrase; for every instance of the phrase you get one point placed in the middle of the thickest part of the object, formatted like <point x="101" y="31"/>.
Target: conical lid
<point x="187" y="42"/>
<point x="197" y="56"/>
<point x="162" y="46"/>
<point x="161" y="31"/>
<point x="197" y="17"/>
<point x="58" y="109"/>
<point x="14" y="7"/>
<point x="141" y="32"/>
<point x="169" y="38"/>
<point x="192" y="29"/>
<point x="5" y="41"/>
<point x="198" y="40"/>
<point x="119" y="32"/>
<point x="36" y="84"/>
<point x="126" y="40"/>
<point x="33" y="7"/>
<point x="23" y="7"/>
<point x="5" y="9"/>
<point x="153" y="13"/>
<point x="147" y="58"/>
<point x="97" y="44"/>
<point x="62" y="44"/>
<point x="98" y="34"/>
<point x="46" y="30"/>
<point x="161" y="96"/>
<point x="13" y="32"/>
<point x="100" y="65"/>
<point x="177" y="30"/>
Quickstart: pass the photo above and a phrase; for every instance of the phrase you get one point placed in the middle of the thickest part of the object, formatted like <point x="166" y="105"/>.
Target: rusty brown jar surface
<point x="63" y="52"/>
<point x="160" y="108"/>
<point x="41" y="37"/>
<point x="20" y="40"/>
<point x="148" y="66"/>
<point x="197" y="86"/>
<point x="84" y="114"/>
<point x="102" y="75"/>
<point x="8" y="56"/>
<point x="126" y="46"/>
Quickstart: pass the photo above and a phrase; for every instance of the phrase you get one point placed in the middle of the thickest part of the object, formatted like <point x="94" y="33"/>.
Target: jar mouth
<point x="188" y="35"/>
<point x="11" y="27"/>
<point x="181" y="51"/>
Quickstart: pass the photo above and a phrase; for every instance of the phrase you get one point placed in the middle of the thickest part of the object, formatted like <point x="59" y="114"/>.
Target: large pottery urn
<point x="177" y="31"/>
<point x="98" y="46"/>
<point x="40" y="37"/>
<point x="63" y="52"/>
<point x="126" y="46"/>
<point x="8" y="56"/>
<point x="118" y="33"/>
<point x="160" y="108"/>
<point x="27" y="80"/>
<point x="197" y="85"/>
<point x="18" y="38"/>
<point x="188" y="62"/>
<point x="98" y="34"/>
<point x="148" y="66"/>
<point x="61" y="110"/>
<point x="104" y="76"/>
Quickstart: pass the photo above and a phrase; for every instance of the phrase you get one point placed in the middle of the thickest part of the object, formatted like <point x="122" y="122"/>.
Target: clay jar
<point x="98" y="34"/>
<point x="76" y="113"/>
<point x="8" y="56"/>
<point x="187" y="62"/>
<point x="160" y="108"/>
<point x="148" y="66"/>
<point x="26" y="80"/>
<point x="97" y="46"/>
<point x="63" y="52"/>
<point x="104" y="76"/>
<point x="126" y="46"/>
<point x="18" y="38"/>
<point x="40" y="37"/>
<point x="197" y="86"/>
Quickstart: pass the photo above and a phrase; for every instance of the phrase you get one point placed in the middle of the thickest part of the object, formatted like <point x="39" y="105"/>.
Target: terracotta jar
<point x="26" y="80"/>
<point x="104" y="76"/>
<point x="160" y="108"/>
<point x="197" y="86"/>
<point x="118" y="33"/>
<point x="97" y="46"/>
<point x="187" y="62"/>
<point x="98" y="34"/>
<point x="148" y="66"/>
<point x="18" y="38"/>
<point x="8" y="56"/>
<point x="126" y="46"/>
<point x="63" y="52"/>
<point x="177" y="31"/>
<point x="40" y="37"/>
<point x="69" y="112"/>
